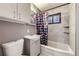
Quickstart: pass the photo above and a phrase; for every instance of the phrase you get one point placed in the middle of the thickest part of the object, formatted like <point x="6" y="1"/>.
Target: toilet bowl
<point x="14" y="48"/>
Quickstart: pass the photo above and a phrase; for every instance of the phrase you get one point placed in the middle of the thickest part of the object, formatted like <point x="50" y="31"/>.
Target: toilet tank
<point x="14" y="48"/>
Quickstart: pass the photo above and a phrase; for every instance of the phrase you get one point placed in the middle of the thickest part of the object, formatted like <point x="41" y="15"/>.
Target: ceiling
<point x="46" y="6"/>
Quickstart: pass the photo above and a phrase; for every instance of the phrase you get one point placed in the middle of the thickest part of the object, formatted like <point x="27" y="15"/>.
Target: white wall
<point x="34" y="8"/>
<point x="32" y="29"/>
<point x="56" y="31"/>
<point x="77" y="29"/>
<point x="72" y="27"/>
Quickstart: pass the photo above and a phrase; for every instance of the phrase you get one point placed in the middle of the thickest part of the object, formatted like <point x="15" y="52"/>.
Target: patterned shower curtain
<point x="42" y="27"/>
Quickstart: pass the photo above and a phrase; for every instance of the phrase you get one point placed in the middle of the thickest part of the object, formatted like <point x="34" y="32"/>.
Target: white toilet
<point x="14" y="48"/>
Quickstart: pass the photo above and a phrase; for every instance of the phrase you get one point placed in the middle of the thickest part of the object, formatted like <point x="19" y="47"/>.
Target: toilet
<point x="14" y="48"/>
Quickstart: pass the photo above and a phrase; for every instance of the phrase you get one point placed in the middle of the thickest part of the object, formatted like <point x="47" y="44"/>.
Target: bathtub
<point x="56" y="49"/>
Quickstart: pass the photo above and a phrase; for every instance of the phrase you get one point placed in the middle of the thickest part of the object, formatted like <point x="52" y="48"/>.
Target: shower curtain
<point x="42" y="27"/>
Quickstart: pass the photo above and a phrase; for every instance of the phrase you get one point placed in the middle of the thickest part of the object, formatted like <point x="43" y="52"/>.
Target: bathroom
<point x="25" y="20"/>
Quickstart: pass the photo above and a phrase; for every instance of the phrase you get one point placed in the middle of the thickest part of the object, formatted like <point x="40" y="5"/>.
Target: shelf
<point x="15" y="21"/>
<point x="31" y="24"/>
<point x="11" y="20"/>
<point x="66" y="26"/>
<point x="66" y="32"/>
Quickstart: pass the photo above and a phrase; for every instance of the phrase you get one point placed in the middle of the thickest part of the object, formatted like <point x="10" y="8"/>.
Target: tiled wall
<point x="56" y="31"/>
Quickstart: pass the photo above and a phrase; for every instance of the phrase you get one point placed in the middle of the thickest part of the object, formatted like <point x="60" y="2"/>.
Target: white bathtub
<point x="56" y="49"/>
